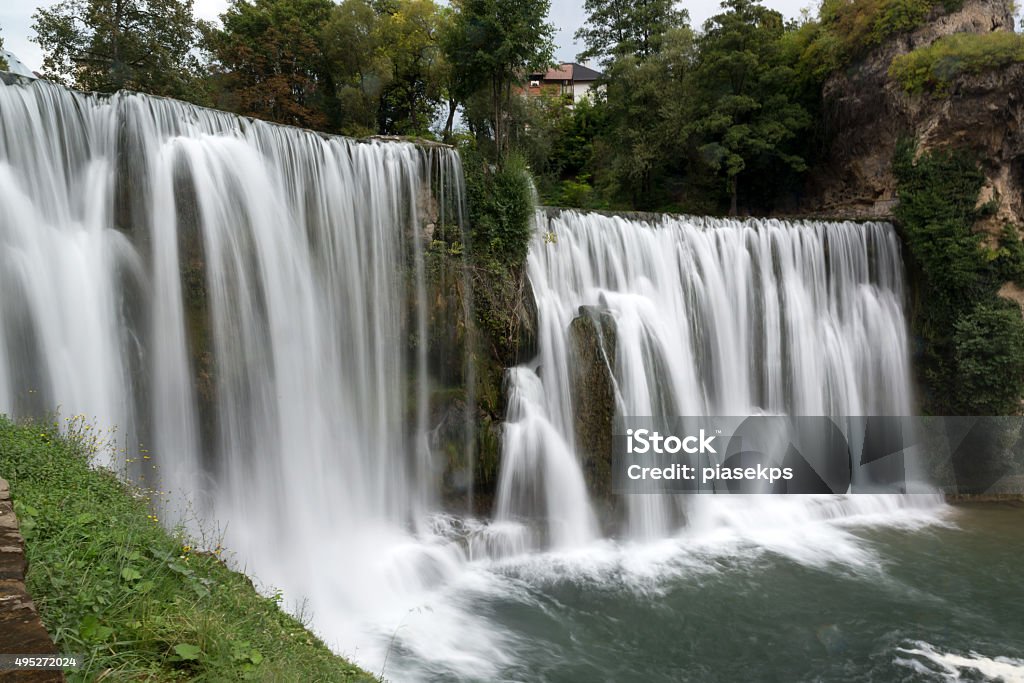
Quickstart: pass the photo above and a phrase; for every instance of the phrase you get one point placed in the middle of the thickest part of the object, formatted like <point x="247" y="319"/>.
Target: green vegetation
<point x="726" y="118"/>
<point x="268" y="61"/>
<point x="491" y="44"/>
<point x="845" y="30"/>
<point x="746" y="118"/>
<point x="106" y="45"/>
<point x="973" y="358"/>
<point x="357" y="67"/>
<point x="3" y="62"/>
<point x="500" y="217"/>
<point x="138" y="602"/>
<point x="501" y="209"/>
<point x="619" y="28"/>
<point x="989" y="357"/>
<point x="933" y="67"/>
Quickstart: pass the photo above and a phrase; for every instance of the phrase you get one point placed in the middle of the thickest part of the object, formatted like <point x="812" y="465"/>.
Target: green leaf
<point x="91" y="629"/>
<point x="188" y="652"/>
<point x="130" y="574"/>
<point x="25" y="509"/>
<point x="85" y="518"/>
<point x="179" y="568"/>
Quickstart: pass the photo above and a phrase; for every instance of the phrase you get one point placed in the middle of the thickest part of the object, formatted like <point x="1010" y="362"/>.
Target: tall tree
<point x="642" y="104"/>
<point x="352" y="45"/>
<point x="619" y="28"/>
<point x="746" y="116"/>
<point x="410" y="36"/>
<point x="3" y="62"/>
<point x="492" y="45"/>
<point x="106" y="45"/>
<point x="268" y="61"/>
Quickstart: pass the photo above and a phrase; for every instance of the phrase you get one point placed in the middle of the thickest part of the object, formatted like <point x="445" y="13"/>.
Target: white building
<point x="568" y="79"/>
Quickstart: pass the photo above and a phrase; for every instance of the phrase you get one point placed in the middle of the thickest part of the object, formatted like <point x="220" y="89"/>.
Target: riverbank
<point x="139" y="602"/>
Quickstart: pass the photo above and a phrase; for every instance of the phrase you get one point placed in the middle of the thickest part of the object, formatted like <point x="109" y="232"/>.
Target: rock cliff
<point x="867" y="113"/>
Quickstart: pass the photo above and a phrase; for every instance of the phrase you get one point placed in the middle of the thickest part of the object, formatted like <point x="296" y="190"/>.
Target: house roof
<point x="584" y="73"/>
<point x="570" y="71"/>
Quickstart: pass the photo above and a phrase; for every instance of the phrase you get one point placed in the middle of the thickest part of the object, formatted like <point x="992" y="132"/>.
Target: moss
<point x="593" y="341"/>
<point x="932" y="68"/>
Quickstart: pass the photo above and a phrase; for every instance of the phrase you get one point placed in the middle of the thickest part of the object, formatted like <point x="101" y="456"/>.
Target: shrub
<point x="848" y="29"/>
<point x="989" y="350"/>
<point x="933" y="67"/>
<point x="972" y="360"/>
<point x="500" y="209"/>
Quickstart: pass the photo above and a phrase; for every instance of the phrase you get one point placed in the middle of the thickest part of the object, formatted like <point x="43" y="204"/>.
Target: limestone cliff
<point x="866" y="112"/>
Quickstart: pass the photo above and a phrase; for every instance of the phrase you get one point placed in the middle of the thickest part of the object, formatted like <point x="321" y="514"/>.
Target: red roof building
<point x="568" y="80"/>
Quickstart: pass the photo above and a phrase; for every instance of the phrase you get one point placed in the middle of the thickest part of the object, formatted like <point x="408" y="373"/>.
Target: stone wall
<point x="21" y="631"/>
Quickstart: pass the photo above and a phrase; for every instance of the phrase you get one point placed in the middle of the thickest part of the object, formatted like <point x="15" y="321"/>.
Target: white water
<point x="924" y="659"/>
<point x="712" y="317"/>
<point x="304" y="435"/>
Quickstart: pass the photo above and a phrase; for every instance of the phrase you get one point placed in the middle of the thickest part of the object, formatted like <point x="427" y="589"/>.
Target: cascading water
<point x="232" y="296"/>
<point x="239" y="297"/>
<point x="711" y="317"/>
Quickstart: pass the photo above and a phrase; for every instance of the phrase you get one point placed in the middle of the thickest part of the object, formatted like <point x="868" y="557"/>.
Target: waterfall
<point x="237" y="298"/>
<point x="711" y="317"/>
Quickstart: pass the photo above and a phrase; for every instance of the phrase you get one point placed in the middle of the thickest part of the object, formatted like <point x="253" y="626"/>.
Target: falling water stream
<point x="237" y="298"/>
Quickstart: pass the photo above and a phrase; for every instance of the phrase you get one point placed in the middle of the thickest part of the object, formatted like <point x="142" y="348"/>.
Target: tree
<point x="107" y="45"/>
<point x="642" y="104"/>
<point x="352" y="46"/>
<point x="747" y="117"/>
<point x="3" y="62"/>
<point x="492" y="45"/>
<point x="618" y="28"/>
<point x="410" y="37"/>
<point x="269" y="62"/>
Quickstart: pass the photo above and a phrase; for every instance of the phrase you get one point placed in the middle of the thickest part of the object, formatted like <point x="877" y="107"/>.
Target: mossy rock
<point x="592" y="337"/>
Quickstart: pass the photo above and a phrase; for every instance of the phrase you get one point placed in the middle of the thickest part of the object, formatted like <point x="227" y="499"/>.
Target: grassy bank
<point x="138" y="602"/>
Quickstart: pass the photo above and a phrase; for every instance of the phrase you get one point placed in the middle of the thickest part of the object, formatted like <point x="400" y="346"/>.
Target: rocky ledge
<point x="867" y="112"/>
<point x="21" y="631"/>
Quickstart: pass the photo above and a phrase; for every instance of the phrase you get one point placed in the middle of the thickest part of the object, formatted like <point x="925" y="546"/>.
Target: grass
<point x="138" y="601"/>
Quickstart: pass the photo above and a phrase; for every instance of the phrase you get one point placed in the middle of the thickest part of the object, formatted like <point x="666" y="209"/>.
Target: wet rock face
<point x="21" y="631"/>
<point x="867" y="113"/>
<point x="592" y="335"/>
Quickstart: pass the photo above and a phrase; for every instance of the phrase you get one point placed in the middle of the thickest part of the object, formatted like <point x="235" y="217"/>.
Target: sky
<point x="566" y="15"/>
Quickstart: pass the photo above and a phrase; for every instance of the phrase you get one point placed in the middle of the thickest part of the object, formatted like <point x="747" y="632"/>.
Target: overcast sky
<point x="566" y="15"/>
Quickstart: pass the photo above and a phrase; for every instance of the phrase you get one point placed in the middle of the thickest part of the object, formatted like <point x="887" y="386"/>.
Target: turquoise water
<point x="919" y="597"/>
